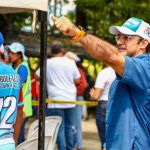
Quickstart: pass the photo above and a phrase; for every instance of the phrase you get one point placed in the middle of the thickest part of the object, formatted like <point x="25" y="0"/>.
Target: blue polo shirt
<point x="128" y="109"/>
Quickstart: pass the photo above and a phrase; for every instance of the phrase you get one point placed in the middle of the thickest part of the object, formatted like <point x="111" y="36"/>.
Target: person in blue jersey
<point x="11" y="104"/>
<point x="17" y="57"/>
<point x="128" y="108"/>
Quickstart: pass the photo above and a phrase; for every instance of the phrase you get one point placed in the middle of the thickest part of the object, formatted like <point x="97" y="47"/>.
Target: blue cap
<point x="1" y="39"/>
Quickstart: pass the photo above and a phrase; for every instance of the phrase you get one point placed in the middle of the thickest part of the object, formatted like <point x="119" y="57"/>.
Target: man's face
<point x="14" y="56"/>
<point x="129" y="46"/>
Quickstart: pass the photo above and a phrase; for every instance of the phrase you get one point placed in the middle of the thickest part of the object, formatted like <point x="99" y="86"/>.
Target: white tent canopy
<point x="14" y="6"/>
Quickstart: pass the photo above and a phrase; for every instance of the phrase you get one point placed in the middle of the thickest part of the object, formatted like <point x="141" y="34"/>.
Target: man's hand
<point x="71" y="55"/>
<point x="104" y="148"/>
<point x="64" y="25"/>
<point x="95" y="93"/>
<point x="23" y="116"/>
<point x="92" y="92"/>
<point x="36" y="77"/>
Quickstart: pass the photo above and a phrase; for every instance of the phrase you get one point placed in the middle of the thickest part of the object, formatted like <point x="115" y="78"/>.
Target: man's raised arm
<point x="96" y="47"/>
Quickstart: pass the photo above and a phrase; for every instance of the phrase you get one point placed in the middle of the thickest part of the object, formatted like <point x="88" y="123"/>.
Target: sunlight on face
<point x="129" y="46"/>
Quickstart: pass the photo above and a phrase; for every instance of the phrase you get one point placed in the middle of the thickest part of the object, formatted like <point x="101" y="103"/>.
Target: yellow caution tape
<point x="91" y="103"/>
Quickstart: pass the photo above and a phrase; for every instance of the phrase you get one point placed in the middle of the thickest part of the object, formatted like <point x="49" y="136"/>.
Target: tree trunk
<point x="81" y="17"/>
<point x="60" y="8"/>
<point x="94" y="23"/>
<point x="7" y="18"/>
<point x="53" y="27"/>
<point x="49" y="12"/>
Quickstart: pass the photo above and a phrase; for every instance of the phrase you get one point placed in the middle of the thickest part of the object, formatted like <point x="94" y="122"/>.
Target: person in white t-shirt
<point x="61" y="76"/>
<point x="100" y="93"/>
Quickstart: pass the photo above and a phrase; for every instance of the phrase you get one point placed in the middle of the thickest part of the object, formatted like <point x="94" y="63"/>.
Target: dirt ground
<point x="89" y="131"/>
<point x="91" y="139"/>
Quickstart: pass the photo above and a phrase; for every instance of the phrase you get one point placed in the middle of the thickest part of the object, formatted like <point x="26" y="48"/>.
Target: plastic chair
<point x="33" y="127"/>
<point x="32" y="144"/>
<point x="52" y="125"/>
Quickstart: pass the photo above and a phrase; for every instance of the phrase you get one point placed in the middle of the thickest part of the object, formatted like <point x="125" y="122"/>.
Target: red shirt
<point x="33" y="86"/>
<point x="83" y="83"/>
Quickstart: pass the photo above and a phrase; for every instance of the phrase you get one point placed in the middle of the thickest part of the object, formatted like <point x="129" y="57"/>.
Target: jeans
<point x="35" y="108"/>
<point x="84" y="112"/>
<point x="10" y="146"/>
<point x="65" y="133"/>
<point x="78" y="118"/>
<point x="100" y="120"/>
<point x="21" y="137"/>
<point x="47" y="111"/>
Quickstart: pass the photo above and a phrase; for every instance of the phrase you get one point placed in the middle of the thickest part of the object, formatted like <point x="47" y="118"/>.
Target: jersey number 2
<point x="10" y="104"/>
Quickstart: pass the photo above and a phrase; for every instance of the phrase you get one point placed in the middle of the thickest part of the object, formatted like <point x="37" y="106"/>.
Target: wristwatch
<point x="80" y="34"/>
<point x="81" y="28"/>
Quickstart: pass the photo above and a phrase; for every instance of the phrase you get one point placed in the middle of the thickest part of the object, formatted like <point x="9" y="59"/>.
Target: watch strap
<point x="79" y="35"/>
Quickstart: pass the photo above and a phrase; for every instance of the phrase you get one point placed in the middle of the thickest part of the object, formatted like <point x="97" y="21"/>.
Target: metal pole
<point x="42" y="17"/>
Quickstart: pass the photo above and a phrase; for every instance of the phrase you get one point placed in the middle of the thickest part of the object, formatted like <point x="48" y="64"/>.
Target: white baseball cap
<point x="133" y="26"/>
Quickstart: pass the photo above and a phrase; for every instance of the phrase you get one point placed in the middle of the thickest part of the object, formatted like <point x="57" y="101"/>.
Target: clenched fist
<point x="64" y="25"/>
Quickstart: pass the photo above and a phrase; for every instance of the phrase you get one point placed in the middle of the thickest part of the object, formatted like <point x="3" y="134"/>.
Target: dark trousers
<point x="35" y="108"/>
<point x="100" y="120"/>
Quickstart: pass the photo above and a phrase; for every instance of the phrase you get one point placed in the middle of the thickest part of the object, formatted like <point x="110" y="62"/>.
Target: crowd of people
<point x="63" y="83"/>
<point x="122" y="88"/>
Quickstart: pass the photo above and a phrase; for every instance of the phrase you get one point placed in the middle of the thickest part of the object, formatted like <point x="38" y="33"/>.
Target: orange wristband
<point x="78" y="36"/>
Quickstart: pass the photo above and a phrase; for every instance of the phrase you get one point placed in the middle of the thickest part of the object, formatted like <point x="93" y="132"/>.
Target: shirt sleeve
<point x="38" y="72"/>
<point x="76" y="72"/>
<point x="23" y="72"/>
<point x="101" y="79"/>
<point x="83" y="83"/>
<point x="136" y="73"/>
<point x="20" y="101"/>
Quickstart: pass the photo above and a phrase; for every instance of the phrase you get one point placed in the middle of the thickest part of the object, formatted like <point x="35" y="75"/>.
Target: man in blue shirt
<point x="128" y="109"/>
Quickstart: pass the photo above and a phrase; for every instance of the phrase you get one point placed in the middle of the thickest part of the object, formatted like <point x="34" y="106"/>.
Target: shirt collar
<point x="143" y="55"/>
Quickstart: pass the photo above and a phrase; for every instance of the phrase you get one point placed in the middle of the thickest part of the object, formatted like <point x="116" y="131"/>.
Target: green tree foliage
<point x="22" y="19"/>
<point x="101" y="14"/>
<point x="18" y="19"/>
<point x="94" y="15"/>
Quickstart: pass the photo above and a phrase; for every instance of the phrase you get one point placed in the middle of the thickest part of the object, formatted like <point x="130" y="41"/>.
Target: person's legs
<point x="10" y="146"/>
<point x="78" y="118"/>
<point x="69" y="123"/>
<point x="61" y="132"/>
<point x="21" y="137"/>
<point x="85" y="113"/>
<point x="100" y="120"/>
<point x="35" y="108"/>
<point x="101" y="131"/>
<point x="47" y="111"/>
